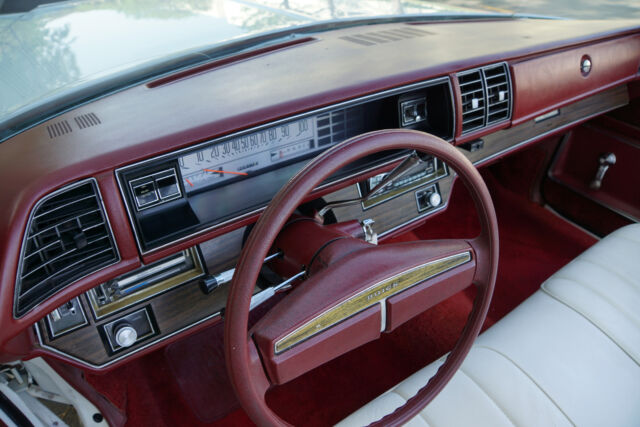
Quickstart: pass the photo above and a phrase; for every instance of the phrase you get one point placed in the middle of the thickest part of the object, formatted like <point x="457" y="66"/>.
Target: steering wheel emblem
<point x="354" y="290"/>
<point x="375" y="294"/>
<point x="380" y="291"/>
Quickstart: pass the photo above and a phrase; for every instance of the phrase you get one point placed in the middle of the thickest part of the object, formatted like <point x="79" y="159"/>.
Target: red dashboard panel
<point x="145" y="121"/>
<point x="549" y="82"/>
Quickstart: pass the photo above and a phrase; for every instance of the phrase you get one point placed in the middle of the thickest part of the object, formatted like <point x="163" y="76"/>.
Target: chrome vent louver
<point x="473" y="100"/>
<point x="68" y="237"/>
<point x="498" y="93"/>
<point x="486" y="96"/>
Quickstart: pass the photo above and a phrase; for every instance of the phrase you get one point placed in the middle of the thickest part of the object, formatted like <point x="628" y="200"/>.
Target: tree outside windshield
<point x="576" y="9"/>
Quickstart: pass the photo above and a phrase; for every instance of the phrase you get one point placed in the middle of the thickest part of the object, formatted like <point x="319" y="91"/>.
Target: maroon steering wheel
<point x="354" y="291"/>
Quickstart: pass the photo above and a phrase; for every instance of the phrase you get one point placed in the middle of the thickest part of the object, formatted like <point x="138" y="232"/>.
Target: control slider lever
<point x="266" y="294"/>
<point x="605" y="161"/>
<point x="407" y="166"/>
<point x="212" y="282"/>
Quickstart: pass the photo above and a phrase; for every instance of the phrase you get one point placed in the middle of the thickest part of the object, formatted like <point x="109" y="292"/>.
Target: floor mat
<point x="534" y="244"/>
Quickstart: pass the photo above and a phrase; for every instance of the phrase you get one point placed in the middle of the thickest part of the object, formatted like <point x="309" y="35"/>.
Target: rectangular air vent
<point x="379" y="37"/>
<point x="473" y="100"/>
<point x="498" y="93"/>
<point x="68" y="237"/>
<point x="87" y="120"/>
<point x="486" y="96"/>
<point x="59" y="128"/>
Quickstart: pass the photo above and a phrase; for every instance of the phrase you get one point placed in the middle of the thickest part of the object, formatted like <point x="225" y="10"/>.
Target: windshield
<point x="49" y="54"/>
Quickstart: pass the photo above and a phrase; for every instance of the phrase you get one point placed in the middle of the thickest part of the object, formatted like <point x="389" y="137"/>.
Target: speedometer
<point x="249" y="154"/>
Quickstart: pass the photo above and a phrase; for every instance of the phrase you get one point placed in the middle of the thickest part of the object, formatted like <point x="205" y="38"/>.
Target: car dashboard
<point x="124" y="234"/>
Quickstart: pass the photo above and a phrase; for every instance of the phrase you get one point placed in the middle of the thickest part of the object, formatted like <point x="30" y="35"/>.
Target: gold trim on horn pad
<point x="369" y="297"/>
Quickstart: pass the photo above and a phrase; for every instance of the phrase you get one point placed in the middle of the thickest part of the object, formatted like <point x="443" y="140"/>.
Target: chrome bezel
<point x="26" y="233"/>
<point x="198" y="261"/>
<point x="78" y="326"/>
<point x="113" y="346"/>
<point x="486" y="95"/>
<point x="153" y="178"/>
<point x="390" y="92"/>
<point x="435" y="190"/>
<point x="408" y="188"/>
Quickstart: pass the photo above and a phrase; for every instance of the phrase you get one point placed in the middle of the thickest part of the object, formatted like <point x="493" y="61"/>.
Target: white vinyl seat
<point x="603" y="284"/>
<point x="568" y="355"/>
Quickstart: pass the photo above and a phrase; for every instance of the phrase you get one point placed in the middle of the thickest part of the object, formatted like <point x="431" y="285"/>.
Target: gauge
<point x="248" y="154"/>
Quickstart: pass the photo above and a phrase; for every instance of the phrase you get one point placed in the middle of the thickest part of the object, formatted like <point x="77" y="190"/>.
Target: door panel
<point x="576" y="165"/>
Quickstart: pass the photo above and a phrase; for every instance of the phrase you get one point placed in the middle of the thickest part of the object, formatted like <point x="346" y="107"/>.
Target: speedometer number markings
<point x="242" y="156"/>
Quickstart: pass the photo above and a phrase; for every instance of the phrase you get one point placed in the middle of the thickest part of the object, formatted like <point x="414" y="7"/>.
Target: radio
<point x="427" y="171"/>
<point x="145" y="282"/>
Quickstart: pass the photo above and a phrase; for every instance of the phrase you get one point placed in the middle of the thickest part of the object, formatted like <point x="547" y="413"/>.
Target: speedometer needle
<point x="229" y="172"/>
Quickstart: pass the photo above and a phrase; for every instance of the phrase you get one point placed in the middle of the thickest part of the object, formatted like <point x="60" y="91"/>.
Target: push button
<point x="145" y="194"/>
<point x="168" y="187"/>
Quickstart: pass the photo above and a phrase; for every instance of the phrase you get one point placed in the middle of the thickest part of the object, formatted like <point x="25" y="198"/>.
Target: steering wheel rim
<point x="244" y="364"/>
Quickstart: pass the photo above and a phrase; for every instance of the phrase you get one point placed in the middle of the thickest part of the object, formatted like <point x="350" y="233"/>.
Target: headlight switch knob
<point x="125" y="335"/>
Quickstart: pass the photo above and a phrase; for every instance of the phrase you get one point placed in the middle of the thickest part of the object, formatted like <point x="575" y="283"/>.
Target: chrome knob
<point x="435" y="199"/>
<point x="585" y="65"/>
<point x="605" y="161"/>
<point x="126" y="336"/>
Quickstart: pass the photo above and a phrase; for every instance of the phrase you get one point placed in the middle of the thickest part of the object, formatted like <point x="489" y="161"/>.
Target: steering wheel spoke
<point x="354" y="299"/>
<point x="353" y="291"/>
<point x="438" y="280"/>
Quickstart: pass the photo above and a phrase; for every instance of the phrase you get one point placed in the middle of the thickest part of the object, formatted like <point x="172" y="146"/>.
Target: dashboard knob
<point x="585" y="65"/>
<point x="435" y="199"/>
<point x="126" y="335"/>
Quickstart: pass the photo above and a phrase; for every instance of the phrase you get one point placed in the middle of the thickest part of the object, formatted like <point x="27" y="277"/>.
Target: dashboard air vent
<point x="386" y="36"/>
<point x="87" y="120"/>
<point x="59" y="128"/>
<point x="497" y="83"/>
<point x="473" y="100"/>
<point x="486" y="96"/>
<point x="68" y="237"/>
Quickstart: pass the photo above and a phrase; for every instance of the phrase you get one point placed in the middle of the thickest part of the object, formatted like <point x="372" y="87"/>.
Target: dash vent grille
<point x="473" y="100"/>
<point x="336" y="126"/>
<point x="498" y="93"/>
<point x="87" y="120"/>
<point x="386" y="36"/>
<point x="67" y="238"/>
<point x="486" y="96"/>
<point x="59" y="128"/>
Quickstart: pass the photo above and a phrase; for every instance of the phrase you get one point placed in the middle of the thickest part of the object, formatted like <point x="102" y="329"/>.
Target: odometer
<point x="248" y="154"/>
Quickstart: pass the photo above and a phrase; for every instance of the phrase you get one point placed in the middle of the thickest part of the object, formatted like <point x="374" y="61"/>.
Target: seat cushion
<point x="559" y="358"/>
<point x="484" y="392"/>
<point x="603" y="284"/>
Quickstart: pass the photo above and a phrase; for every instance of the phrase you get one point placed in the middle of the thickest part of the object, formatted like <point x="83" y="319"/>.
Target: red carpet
<point x="534" y="244"/>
